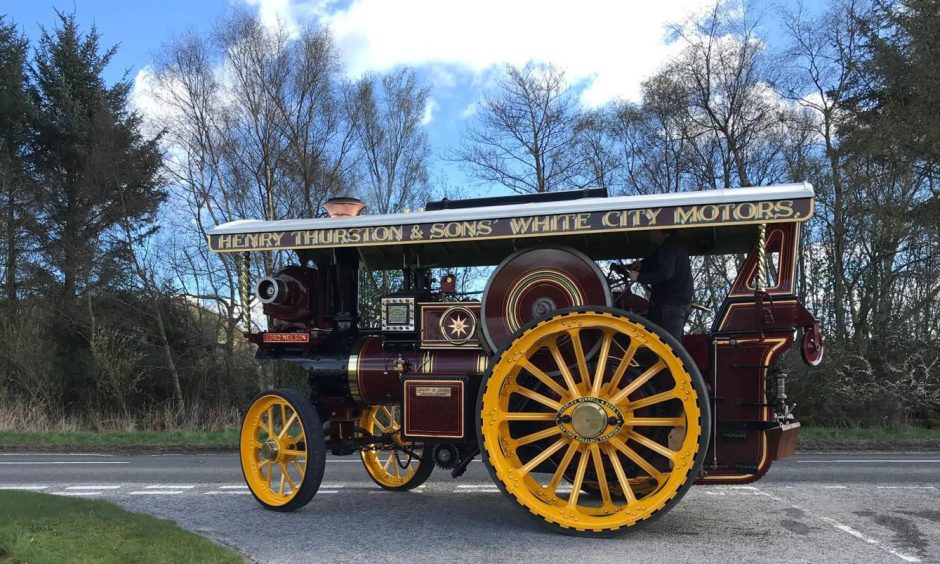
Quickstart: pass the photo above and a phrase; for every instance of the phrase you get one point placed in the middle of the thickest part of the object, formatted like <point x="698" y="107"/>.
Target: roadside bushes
<point x="900" y="387"/>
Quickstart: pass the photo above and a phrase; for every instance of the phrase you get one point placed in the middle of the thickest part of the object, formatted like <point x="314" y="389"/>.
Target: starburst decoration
<point x="458" y="326"/>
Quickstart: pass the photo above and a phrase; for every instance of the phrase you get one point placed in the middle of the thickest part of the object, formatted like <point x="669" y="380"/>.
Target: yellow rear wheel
<point x="628" y="421"/>
<point x="402" y="468"/>
<point x="283" y="450"/>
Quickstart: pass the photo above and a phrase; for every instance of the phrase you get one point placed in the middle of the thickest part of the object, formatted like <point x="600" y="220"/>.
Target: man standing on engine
<point x="669" y="273"/>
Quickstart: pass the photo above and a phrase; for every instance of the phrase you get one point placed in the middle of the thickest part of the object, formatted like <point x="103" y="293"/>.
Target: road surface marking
<point x="35" y="462"/>
<point x="158" y="492"/>
<point x="844" y="528"/>
<point x="228" y="492"/>
<point x="169" y="487"/>
<point x="835" y="487"/>
<point x="55" y="454"/>
<point x="75" y="493"/>
<point x="92" y="487"/>
<point x="23" y="487"/>
<point x="475" y="486"/>
<point x="906" y="487"/>
<point x="233" y="487"/>
<point x="872" y="460"/>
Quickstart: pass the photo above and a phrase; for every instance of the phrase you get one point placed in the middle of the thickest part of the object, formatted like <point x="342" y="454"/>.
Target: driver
<point x="669" y="273"/>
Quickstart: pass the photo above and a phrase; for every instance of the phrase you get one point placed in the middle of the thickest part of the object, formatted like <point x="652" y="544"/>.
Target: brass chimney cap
<point x="343" y="206"/>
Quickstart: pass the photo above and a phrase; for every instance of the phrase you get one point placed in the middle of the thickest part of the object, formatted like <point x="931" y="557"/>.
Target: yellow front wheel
<point x="402" y="467"/>
<point x="628" y="423"/>
<point x="283" y="450"/>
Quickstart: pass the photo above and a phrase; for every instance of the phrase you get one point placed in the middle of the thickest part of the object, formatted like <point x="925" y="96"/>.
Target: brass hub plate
<point x="589" y="419"/>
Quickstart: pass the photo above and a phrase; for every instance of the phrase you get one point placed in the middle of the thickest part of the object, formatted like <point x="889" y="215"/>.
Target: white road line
<point x="169" y="487"/>
<point x="475" y="486"/>
<point x="93" y="487"/>
<point x="75" y="493"/>
<point x="35" y="462"/>
<point x="55" y="454"/>
<point x="332" y="486"/>
<point x="906" y="487"/>
<point x="28" y="488"/>
<point x="157" y="492"/>
<point x="233" y="487"/>
<point x="835" y="487"/>
<point x="872" y="460"/>
<point x="845" y="529"/>
<point x="228" y="492"/>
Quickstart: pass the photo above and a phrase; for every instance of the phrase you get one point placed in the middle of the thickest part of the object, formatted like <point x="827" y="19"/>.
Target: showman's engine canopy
<point x="584" y="412"/>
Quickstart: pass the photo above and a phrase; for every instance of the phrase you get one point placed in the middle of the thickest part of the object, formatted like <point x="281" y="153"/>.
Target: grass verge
<point x="869" y="438"/>
<point x="47" y="528"/>
<point x="64" y="441"/>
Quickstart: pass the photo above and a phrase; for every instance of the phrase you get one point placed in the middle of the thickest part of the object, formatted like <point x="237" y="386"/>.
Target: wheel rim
<point x="626" y="423"/>
<point x="273" y="450"/>
<point x="388" y="466"/>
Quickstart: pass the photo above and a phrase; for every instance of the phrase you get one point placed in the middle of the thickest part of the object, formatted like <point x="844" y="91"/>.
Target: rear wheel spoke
<point x="543" y="456"/>
<point x="562" y="466"/>
<point x="621" y="475"/>
<point x="602" y="363"/>
<point x="633" y="455"/>
<point x="651" y="400"/>
<point x="563" y="368"/>
<point x="535" y="396"/>
<point x="653" y="445"/>
<point x="580" y="359"/>
<point x="639" y="381"/>
<point x="537" y="436"/>
<point x="601" y="477"/>
<point x="522" y="416"/>
<point x="544" y="378"/>
<point x="578" y="479"/>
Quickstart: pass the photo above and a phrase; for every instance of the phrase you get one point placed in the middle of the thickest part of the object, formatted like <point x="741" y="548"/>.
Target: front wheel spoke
<point x="578" y="479"/>
<point x="637" y="382"/>
<point x="633" y="455"/>
<point x="602" y="363"/>
<point x="563" y="368"/>
<point x="387" y="462"/>
<point x="621" y="475"/>
<point x="543" y="456"/>
<point x="575" y="336"/>
<point x="518" y="416"/>
<point x="654" y="421"/>
<point x="601" y="476"/>
<point x="388" y="412"/>
<point x="280" y="489"/>
<point x="300" y="468"/>
<point x="287" y="425"/>
<point x="652" y="445"/>
<point x="537" y="436"/>
<point x="544" y="378"/>
<point x="270" y="414"/>
<point x="535" y="396"/>
<point x="293" y="487"/>
<point x="293" y="452"/>
<point x="562" y="466"/>
<point x="651" y="400"/>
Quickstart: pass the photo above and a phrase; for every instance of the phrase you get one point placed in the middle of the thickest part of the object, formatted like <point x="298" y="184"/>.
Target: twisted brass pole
<point x="761" y="282"/>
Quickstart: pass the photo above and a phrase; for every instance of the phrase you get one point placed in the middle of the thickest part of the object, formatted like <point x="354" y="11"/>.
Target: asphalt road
<point x="859" y="507"/>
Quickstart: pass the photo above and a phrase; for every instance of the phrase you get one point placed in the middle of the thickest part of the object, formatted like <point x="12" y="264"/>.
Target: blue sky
<point x="606" y="47"/>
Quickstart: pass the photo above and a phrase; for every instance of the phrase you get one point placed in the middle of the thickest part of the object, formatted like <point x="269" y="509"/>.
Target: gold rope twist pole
<point x="244" y="279"/>
<point x="761" y="257"/>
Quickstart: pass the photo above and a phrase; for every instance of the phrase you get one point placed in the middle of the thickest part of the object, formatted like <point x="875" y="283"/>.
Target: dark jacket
<point x="668" y="271"/>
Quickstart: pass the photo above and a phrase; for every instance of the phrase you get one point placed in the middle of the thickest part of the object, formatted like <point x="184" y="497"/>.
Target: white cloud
<point x="429" y="108"/>
<point x="609" y="46"/>
<point x="469" y="111"/>
<point x="612" y="46"/>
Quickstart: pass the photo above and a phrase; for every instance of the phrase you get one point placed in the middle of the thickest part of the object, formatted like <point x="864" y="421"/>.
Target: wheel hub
<point x="589" y="419"/>
<point x="270" y="450"/>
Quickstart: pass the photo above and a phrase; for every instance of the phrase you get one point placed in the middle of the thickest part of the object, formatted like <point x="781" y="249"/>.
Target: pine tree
<point x="94" y="169"/>
<point x="15" y="110"/>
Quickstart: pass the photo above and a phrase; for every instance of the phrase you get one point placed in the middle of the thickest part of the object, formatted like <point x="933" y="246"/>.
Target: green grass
<point x="38" y="528"/>
<point x="871" y="438"/>
<point x="119" y="440"/>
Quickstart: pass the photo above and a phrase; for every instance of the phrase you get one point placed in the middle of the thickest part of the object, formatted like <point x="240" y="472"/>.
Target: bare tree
<point x="524" y="135"/>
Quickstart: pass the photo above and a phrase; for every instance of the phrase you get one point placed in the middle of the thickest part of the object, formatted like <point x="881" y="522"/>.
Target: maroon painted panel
<point x="434" y="408"/>
<point x="450" y="325"/>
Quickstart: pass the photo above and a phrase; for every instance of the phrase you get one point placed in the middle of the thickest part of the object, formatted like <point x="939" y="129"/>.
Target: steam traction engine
<point x="585" y="413"/>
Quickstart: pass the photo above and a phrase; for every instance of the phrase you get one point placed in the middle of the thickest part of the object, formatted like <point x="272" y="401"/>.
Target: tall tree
<point x="524" y="135"/>
<point x="93" y="168"/>
<point x="15" y="110"/>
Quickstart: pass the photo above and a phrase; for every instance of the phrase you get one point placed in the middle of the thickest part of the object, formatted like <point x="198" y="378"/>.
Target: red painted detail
<point x="285" y="337"/>
<point x="434" y="408"/>
<point x="535" y="282"/>
<point x="811" y="347"/>
<point x="783" y="239"/>
<point x="380" y="384"/>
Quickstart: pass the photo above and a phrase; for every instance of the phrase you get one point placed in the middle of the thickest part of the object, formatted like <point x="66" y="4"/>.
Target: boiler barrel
<point x="373" y="379"/>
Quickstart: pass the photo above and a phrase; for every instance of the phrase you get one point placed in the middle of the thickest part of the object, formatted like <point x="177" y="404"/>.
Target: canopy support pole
<point x="244" y="285"/>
